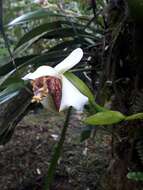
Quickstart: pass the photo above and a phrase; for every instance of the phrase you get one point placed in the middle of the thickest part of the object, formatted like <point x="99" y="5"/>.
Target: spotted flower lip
<point x="70" y="95"/>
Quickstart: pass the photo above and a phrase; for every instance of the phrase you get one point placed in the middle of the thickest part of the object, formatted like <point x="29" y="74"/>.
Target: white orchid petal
<point x="70" y="61"/>
<point x="71" y="96"/>
<point x="41" y="72"/>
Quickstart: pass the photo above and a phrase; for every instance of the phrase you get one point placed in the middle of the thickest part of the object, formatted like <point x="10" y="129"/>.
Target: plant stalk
<point x="57" y="153"/>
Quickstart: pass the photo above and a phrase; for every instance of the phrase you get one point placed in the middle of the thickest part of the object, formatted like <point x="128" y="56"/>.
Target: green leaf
<point x="134" y="117"/>
<point x="68" y="32"/>
<point x="10" y="92"/>
<point x="39" y="31"/>
<point x="80" y="85"/>
<point x="105" y="118"/>
<point x="57" y="33"/>
<point x="7" y="96"/>
<point x="137" y="176"/>
<point x="4" y="78"/>
<point x="7" y="66"/>
<point x="40" y="14"/>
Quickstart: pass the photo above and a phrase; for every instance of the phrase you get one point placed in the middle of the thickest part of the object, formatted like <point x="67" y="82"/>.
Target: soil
<point x="24" y="160"/>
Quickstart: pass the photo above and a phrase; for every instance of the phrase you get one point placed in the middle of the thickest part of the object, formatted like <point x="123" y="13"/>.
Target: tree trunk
<point x="123" y="68"/>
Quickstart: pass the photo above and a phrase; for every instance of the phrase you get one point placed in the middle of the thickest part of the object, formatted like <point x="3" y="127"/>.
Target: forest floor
<point x="25" y="159"/>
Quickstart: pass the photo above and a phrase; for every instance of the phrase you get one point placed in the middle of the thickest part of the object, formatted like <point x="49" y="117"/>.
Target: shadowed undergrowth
<point x="25" y="159"/>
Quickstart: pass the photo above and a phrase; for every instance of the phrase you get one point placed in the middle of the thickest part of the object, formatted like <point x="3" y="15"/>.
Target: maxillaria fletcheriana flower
<point x="50" y="84"/>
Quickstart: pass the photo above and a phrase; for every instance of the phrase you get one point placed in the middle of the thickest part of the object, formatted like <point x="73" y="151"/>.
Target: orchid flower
<point x="50" y="83"/>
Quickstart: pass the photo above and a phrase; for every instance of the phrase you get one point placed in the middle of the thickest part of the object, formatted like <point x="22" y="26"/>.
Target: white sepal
<point x="71" y="96"/>
<point x="41" y="72"/>
<point x="70" y="61"/>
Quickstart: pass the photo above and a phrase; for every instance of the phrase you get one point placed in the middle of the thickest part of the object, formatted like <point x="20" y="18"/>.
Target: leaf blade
<point x="134" y="117"/>
<point x="105" y="118"/>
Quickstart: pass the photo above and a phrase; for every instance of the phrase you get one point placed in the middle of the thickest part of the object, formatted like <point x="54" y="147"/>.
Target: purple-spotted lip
<point x="44" y="86"/>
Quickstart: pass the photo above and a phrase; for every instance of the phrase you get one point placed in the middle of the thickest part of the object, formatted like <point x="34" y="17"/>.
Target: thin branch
<point x="94" y="7"/>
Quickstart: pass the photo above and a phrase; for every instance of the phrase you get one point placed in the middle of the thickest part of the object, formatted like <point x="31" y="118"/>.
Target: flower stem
<point x="57" y="153"/>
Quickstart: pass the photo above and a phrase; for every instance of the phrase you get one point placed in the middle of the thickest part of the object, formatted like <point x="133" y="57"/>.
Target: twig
<point x="94" y="7"/>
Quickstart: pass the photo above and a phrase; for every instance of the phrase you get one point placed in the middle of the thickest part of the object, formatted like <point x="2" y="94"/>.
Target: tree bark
<point x="123" y="68"/>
